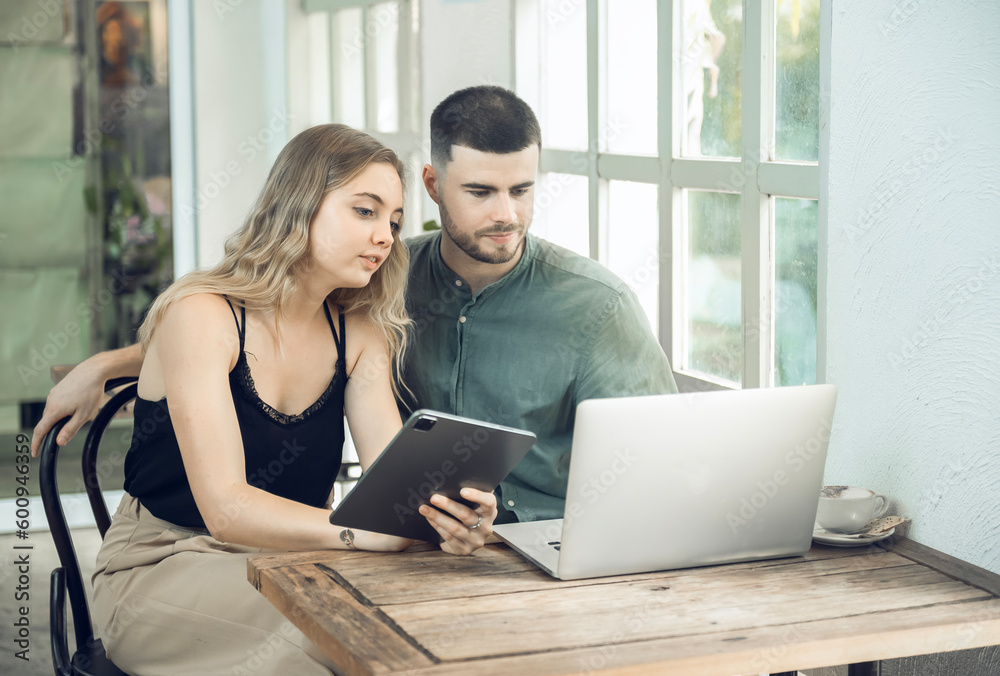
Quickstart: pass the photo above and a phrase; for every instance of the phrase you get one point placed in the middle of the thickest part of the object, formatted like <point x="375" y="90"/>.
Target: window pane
<point x="711" y="74"/>
<point x="795" y="244"/>
<point x="348" y="59"/>
<point x="564" y="74"/>
<point x="797" y="80"/>
<point x="383" y="25"/>
<point x="713" y="297"/>
<point x="632" y="250"/>
<point x="562" y="211"/>
<point x="631" y="123"/>
<point x="319" y="67"/>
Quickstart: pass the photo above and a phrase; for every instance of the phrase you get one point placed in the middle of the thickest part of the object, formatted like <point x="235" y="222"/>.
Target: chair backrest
<point x="53" y="507"/>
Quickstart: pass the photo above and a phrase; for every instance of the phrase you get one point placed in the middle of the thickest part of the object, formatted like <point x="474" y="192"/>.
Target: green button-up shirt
<point x="524" y="351"/>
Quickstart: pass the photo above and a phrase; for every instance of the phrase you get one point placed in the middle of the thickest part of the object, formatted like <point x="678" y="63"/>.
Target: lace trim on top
<point x="249" y="392"/>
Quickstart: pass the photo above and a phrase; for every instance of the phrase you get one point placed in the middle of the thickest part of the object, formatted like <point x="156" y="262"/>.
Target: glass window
<point x="319" y="70"/>
<point x="348" y="57"/>
<point x="632" y="250"/>
<point x="631" y="102"/>
<point x="564" y="74"/>
<point x="795" y="248"/>
<point x="562" y="211"/>
<point x="721" y="330"/>
<point x="711" y="74"/>
<point x="797" y="80"/>
<point x="712" y="283"/>
<point x="383" y="26"/>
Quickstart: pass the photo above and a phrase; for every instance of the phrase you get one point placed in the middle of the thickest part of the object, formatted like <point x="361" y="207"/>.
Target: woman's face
<point x="352" y="233"/>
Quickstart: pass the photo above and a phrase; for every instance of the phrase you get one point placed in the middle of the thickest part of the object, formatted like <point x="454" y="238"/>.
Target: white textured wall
<point x="914" y="264"/>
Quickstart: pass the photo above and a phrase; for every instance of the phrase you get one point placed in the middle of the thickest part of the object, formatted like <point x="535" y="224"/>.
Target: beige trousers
<point x="170" y="601"/>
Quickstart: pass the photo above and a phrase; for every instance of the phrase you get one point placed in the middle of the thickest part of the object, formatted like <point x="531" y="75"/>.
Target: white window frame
<point x="756" y="176"/>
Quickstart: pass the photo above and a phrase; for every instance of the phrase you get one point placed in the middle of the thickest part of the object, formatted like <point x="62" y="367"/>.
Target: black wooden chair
<point x="88" y="659"/>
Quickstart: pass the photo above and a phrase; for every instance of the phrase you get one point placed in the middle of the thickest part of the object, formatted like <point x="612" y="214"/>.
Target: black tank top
<point x="293" y="456"/>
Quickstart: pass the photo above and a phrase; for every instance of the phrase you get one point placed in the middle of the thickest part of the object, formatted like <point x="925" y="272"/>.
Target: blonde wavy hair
<point x="267" y="254"/>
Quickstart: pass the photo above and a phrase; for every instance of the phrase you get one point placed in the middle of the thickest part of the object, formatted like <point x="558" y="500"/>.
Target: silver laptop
<point x="682" y="480"/>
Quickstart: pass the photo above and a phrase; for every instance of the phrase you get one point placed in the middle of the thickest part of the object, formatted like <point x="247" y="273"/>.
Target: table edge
<point x="953" y="567"/>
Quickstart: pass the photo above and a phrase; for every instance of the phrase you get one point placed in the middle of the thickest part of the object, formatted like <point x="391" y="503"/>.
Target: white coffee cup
<point x="846" y="509"/>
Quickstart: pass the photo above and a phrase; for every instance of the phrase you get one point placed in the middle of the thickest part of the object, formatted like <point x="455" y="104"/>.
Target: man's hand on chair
<point x="79" y="394"/>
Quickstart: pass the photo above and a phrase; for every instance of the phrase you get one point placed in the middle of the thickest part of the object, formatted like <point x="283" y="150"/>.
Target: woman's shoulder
<point x="201" y="305"/>
<point x="364" y="335"/>
<point x="196" y="331"/>
<point x="360" y="324"/>
<point x="205" y="312"/>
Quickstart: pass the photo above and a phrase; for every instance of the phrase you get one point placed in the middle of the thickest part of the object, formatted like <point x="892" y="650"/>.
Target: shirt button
<point x="461" y="320"/>
<point x="510" y="503"/>
<point x="458" y="282"/>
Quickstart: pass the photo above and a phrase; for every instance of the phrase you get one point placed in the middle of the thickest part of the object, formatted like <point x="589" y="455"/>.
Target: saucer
<point x="824" y="537"/>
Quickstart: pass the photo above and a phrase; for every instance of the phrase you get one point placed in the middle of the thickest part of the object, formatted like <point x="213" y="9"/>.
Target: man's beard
<point x="470" y="246"/>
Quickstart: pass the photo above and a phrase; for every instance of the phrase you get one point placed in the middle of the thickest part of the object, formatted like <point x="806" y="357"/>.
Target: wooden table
<point x="424" y="612"/>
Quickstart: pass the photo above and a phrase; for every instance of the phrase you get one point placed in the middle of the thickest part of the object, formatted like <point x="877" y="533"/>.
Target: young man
<point x="508" y="327"/>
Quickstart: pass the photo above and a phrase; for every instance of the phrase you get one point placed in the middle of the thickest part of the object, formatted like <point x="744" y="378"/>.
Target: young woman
<point x="248" y="369"/>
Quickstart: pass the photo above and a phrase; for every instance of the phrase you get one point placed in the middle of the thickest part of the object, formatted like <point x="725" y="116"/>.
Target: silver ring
<point x="478" y="523"/>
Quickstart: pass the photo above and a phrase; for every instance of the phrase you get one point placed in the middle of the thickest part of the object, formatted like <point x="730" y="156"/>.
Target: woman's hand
<point x="464" y="530"/>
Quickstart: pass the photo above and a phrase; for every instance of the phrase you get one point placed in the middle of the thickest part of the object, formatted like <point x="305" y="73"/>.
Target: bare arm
<point x="374" y="419"/>
<point x="718" y="40"/>
<point x="79" y="393"/>
<point x="195" y="348"/>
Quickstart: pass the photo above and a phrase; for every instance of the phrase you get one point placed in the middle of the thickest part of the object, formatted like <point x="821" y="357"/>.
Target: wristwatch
<point x="347" y="537"/>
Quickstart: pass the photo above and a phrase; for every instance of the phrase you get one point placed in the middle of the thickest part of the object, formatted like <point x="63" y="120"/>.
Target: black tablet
<point x="433" y="453"/>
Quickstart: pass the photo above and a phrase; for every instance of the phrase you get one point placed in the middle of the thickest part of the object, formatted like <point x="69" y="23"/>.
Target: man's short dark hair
<point x="486" y="118"/>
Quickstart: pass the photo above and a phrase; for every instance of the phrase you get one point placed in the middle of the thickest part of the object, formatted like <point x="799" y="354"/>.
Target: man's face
<point x="486" y="200"/>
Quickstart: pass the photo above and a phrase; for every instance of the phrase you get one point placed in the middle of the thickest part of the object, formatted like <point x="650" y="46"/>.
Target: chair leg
<point x="863" y="669"/>
<point x="61" y="660"/>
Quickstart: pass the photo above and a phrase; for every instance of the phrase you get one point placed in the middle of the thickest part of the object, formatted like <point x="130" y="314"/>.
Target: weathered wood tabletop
<point x="425" y="612"/>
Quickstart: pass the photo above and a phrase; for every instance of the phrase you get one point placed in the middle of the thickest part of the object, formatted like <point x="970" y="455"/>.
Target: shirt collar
<point x="445" y="273"/>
